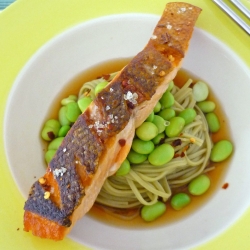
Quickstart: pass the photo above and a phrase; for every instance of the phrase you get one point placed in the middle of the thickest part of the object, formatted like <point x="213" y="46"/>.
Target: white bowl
<point x="117" y="36"/>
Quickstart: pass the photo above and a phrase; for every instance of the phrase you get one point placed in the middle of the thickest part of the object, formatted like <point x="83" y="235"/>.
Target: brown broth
<point x="216" y="176"/>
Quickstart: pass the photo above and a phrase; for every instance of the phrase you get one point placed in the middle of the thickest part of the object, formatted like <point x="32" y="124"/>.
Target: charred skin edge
<point x="84" y="144"/>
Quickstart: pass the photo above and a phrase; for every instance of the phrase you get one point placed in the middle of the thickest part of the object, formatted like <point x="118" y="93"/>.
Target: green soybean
<point x="175" y="127"/>
<point x="63" y="130"/>
<point x="152" y="212"/>
<point x="136" y="158"/>
<point x="160" y="123"/>
<point x="221" y="151"/>
<point x="147" y="131"/>
<point x="157" y="107"/>
<point x="49" y="155"/>
<point x="170" y="86"/>
<point x="167" y="114"/>
<point x="150" y="117"/>
<point x="52" y="123"/>
<point x="199" y="185"/>
<point x="142" y="147"/>
<point x="70" y="98"/>
<point x="50" y="130"/>
<point x="167" y="100"/>
<point x="180" y="201"/>
<point x="48" y="134"/>
<point x="100" y="86"/>
<point x="206" y="106"/>
<point x="200" y="91"/>
<point x="213" y="122"/>
<point x="161" y="155"/>
<point x="124" y="168"/>
<point x="55" y="144"/>
<point x="62" y="116"/>
<point x="84" y="102"/>
<point x="158" y="138"/>
<point x="72" y="111"/>
<point x="188" y="115"/>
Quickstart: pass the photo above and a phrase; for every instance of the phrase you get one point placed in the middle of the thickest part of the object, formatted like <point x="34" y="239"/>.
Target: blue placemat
<point x="5" y="3"/>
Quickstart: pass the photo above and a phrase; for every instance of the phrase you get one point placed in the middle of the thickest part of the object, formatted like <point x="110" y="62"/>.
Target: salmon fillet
<point x="100" y="139"/>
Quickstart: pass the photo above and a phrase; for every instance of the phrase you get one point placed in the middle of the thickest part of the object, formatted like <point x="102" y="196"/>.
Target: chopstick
<point x="233" y="15"/>
<point x="241" y="7"/>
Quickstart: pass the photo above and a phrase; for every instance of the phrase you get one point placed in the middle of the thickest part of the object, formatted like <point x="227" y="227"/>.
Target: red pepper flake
<point x="106" y="77"/>
<point x="51" y="135"/>
<point x="122" y="142"/>
<point x="182" y="154"/>
<point x="176" y="142"/>
<point x="130" y="105"/>
<point x="225" y="185"/>
<point x="176" y="155"/>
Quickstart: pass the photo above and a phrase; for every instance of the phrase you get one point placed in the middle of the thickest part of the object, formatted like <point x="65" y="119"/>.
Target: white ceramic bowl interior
<point x="118" y="36"/>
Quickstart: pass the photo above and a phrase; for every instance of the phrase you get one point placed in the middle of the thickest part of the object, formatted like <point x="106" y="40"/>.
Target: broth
<point x="216" y="176"/>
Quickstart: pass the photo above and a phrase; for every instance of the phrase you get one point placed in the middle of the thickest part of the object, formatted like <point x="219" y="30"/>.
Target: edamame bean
<point x="147" y="131"/>
<point x="167" y="100"/>
<point x="84" y="102"/>
<point x="160" y="123"/>
<point x="158" y="138"/>
<point x="150" y="117"/>
<point x="142" y="147"/>
<point x="221" y="151"/>
<point x="72" y="111"/>
<point x="49" y="155"/>
<point x="170" y="86"/>
<point x="152" y="212"/>
<point x="175" y="127"/>
<point x="136" y="158"/>
<point x="124" y="168"/>
<point x="179" y="201"/>
<point x="62" y="116"/>
<point x="53" y="123"/>
<point x="167" y="114"/>
<point x="200" y="91"/>
<point x="213" y="122"/>
<point x="206" y="106"/>
<point x="100" y="86"/>
<point x="48" y="134"/>
<point x="63" y="130"/>
<point x="70" y="98"/>
<point x="188" y="115"/>
<point x="161" y="155"/>
<point x="157" y="107"/>
<point x="55" y="144"/>
<point x="50" y="130"/>
<point x="199" y="185"/>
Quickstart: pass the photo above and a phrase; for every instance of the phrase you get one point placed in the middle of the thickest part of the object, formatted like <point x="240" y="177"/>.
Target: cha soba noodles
<point x="144" y="184"/>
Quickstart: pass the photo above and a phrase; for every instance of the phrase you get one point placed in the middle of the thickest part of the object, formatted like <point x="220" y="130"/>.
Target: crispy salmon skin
<point x="92" y="149"/>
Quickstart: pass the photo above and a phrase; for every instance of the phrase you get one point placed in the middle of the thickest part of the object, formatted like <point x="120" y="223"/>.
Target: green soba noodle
<point x="145" y="184"/>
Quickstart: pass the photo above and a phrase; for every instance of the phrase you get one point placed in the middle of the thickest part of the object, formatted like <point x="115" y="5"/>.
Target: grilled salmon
<point x="100" y="139"/>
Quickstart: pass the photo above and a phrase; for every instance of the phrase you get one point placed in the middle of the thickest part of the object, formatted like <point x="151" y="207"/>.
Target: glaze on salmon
<point x="92" y="149"/>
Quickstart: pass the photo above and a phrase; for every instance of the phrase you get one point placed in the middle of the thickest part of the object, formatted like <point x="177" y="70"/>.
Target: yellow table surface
<point x="24" y="27"/>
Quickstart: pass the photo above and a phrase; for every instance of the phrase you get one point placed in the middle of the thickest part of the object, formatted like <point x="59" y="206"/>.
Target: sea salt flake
<point x="169" y="27"/>
<point x="107" y="108"/>
<point x="131" y="97"/>
<point x="59" y="171"/>
<point x="64" y="150"/>
<point x="111" y="90"/>
<point x="153" y="37"/>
